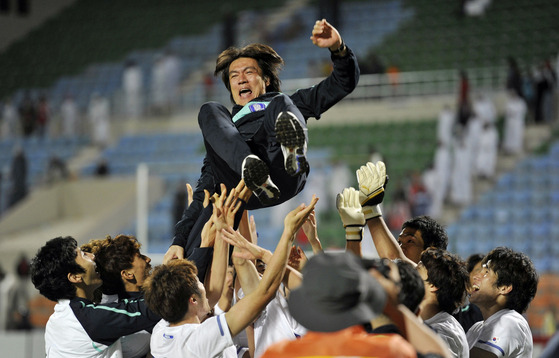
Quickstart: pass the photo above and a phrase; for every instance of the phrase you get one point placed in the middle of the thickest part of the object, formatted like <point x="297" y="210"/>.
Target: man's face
<point x="203" y="305"/>
<point x="477" y="268"/>
<point x="246" y="81"/>
<point x="141" y="268"/>
<point x="90" y="277"/>
<point x="484" y="289"/>
<point x="411" y="242"/>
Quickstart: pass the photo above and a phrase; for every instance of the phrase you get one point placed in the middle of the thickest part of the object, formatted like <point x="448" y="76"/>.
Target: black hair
<point x="52" y="264"/>
<point x="432" y="233"/>
<point x="515" y="269"/>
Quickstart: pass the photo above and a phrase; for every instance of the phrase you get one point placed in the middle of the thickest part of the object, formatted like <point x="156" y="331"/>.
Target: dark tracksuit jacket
<point x="250" y="129"/>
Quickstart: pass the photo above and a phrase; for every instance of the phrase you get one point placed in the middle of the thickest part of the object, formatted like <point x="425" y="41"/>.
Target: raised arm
<point x="372" y="180"/>
<point x="349" y="208"/>
<point x="310" y="230"/>
<point x="225" y="209"/>
<point x="247" y="309"/>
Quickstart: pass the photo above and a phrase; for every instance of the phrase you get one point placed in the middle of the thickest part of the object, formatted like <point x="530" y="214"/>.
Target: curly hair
<point x="447" y="272"/>
<point x="112" y="256"/>
<point x="433" y="233"/>
<point x="269" y="61"/>
<point x="52" y="264"/>
<point x="517" y="270"/>
<point x="168" y="289"/>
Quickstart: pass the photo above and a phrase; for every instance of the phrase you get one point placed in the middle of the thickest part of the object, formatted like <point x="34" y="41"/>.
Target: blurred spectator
<point x="102" y="168"/>
<point x="27" y="115"/>
<point x="474" y="127"/>
<point x="179" y="204"/>
<point x="43" y="117"/>
<point x="545" y="81"/>
<point x="341" y="177"/>
<point x="157" y="89"/>
<point x="445" y="125"/>
<point x="10" y="120"/>
<point x="69" y="113"/>
<point x="229" y="29"/>
<point x="372" y="64"/>
<point x="132" y="83"/>
<point x="476" y="7"/>
<point x="99" y="113"/>
<point x="515" y="118"/>
<point x="7" y="282"/>
<point x="418" y="196"/>
<point x="56" y="170"/>
<point x="514" y="78"/>
<point x="208" y="87"/>
<point x="172" y="70"/>
<point x="18" y="298"/>
<point x="461" y="183"/>
<point x="464" y="108"/>
<point x="374" y="156"/>
<point x="393" y="72"/>
<point x="488" y="146"/>
<point x="443" y="168"/>
<point x="18" y="176"/>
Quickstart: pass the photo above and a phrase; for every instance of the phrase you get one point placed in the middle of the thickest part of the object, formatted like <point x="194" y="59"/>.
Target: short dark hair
<point x="268" y="60"/>
<point x="52" y="264"/>
<point x="447" y="272"/>
<point x="113" y="256"/>
<point x="432" y="233"/>
<point x="516" y="269"/>
<point x="413" y="288"/>
<point x="473" y="260"/>
<point x="168" y="290"/>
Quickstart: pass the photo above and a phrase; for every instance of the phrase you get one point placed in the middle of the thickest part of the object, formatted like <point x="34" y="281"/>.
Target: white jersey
<point x="505" y="334"/>
<point x="209" y="339"/>
<point x="448" y="328"/>
<point x="65" y="336"/>
<point x="275" y="324"/>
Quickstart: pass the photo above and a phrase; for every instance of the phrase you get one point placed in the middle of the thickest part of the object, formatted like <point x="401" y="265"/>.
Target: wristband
<point x="354" y="233"/>
<point x="371" y="212"/>
<point x="340" y="49"/>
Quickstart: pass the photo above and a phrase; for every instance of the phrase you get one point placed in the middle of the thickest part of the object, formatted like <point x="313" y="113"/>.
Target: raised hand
<point x="310" y="229"/>
<point x="325" y="35"/>
<point x="372" y="181"/>
<point x="295" y="219"/>
<point x="243" y="248"/>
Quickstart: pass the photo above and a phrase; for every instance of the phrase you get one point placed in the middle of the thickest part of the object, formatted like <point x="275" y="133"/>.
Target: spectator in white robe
<point x="172" y="70"/>
<point x="474" y="127"/>
<point x="10" y="120"/>
<point x="485" y="109"/>
<point x="515" y="120"/>
<point x="445" y="125"/>
<point x="69" y="113"/>
<point x="99" y="114"/>
<point x="487" y="151"/>
<point x="157" y="89"/>
<point x="461" y="181"/>
<point x="132" y="84"/>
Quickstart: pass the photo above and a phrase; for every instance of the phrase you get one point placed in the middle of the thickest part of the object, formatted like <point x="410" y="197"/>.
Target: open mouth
<point x="475" y="288"/>
<point x="244" y="92"/>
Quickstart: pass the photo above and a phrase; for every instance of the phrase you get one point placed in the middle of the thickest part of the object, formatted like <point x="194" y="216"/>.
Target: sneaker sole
<point x="257" y="178"/>
<point x="291" y="136"/>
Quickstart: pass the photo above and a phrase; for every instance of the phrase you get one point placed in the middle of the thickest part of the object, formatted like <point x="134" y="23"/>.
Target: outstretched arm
<point x="247" y="309"/>
<point x="372" y="180"/>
